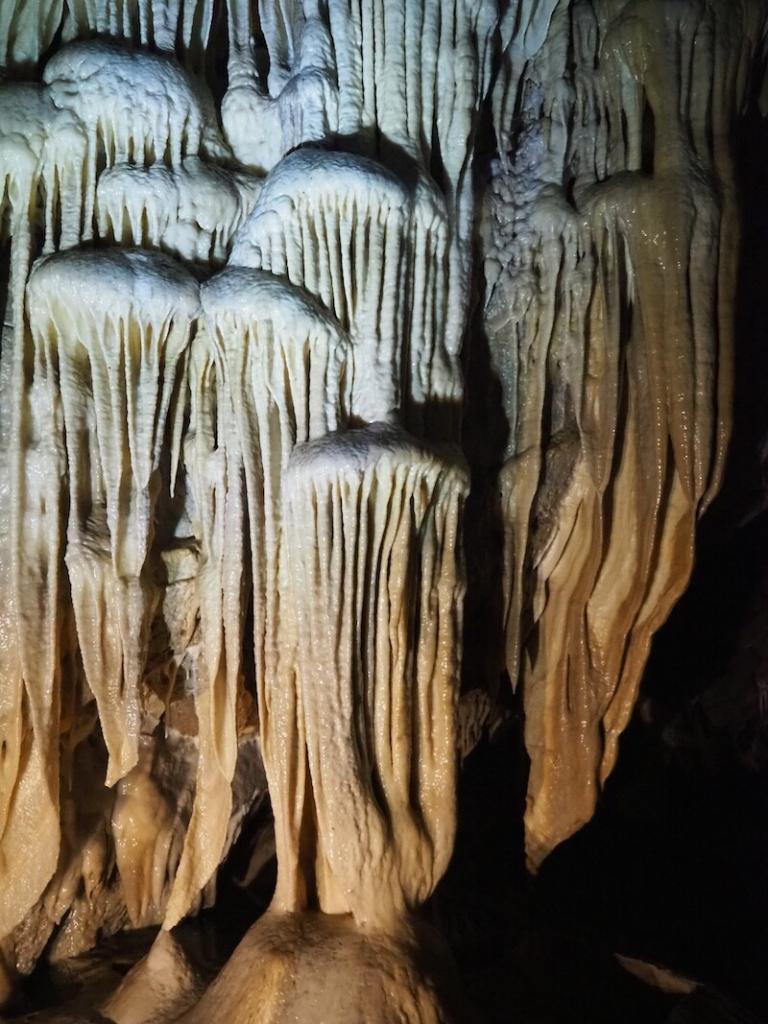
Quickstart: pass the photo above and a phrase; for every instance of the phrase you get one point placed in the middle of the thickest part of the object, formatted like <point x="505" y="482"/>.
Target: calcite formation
<point x="251" y="249"/>
<point x="610" y="313"/>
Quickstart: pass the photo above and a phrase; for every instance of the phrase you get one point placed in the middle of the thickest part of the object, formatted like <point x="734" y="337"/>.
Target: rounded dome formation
<point x="112" y="282"/>
<point x="250" y="296"/>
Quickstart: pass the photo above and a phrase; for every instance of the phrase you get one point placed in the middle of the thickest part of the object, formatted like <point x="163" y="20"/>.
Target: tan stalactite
<point x="214" y="464"/>
<point x="601" y="508"/>
<point x="285" y="363"/>
<point x="30" y="631"/>
<point x="30" y="553"/>
<point x="118" y="323"/>
<point x="372" y="531"/>
<point x="142" y="826"/>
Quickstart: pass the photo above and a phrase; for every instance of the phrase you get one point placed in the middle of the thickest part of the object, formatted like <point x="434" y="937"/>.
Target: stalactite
<point x="414" y="77"/>
<point x="29" y="554"/>
<point x="117" y="350"/>
<point x="27" y="30"/>
<point x="372" y="532"/>
<point x="328" y="222"/>
<point x="173" y="26"/>
<point x="264" y="121"/>
<point x="372" y="598"/>
<point x="404" y="83"/>
<point x="283" y="361"/>
<point x="135" y="107"/>
<point x="56" y="138"/>
<point x="26" y="112"/>
<point x="616" y="446"/>
<point x="188" y="468"/>
<point x="34" y="462"/>
<point x="214" y="470"/>
<point x="192" y="211"/>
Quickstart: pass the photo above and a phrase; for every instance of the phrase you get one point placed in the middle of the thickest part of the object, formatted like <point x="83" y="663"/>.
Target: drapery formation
<point x="611" y="288"/>
<point x="231" y="392"/>
<point x="154" y="402"/>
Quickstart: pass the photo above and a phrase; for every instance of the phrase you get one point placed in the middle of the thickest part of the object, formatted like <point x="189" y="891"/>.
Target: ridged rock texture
<point x="268" y="266"/>
<point x="611" y="277"/>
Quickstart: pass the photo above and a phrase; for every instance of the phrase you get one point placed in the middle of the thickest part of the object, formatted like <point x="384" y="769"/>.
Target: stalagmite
<point x="33" y="467"/>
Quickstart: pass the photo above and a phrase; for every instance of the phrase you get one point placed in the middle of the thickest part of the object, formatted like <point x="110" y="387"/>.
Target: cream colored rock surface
<point x="249" y="252"/>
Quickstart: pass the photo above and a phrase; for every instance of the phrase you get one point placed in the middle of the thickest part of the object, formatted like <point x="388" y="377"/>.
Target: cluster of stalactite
<point x="196" y="456"/>
<point x="230" y="402"/>
<point x="611" y="275"/>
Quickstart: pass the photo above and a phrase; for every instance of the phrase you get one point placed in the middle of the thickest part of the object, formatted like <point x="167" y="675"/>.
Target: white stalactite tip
<point x="373" y="249"/>
<point x="340" y="183"/>
<point x="254" y="316"/>
<point x="192" y="211"/>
